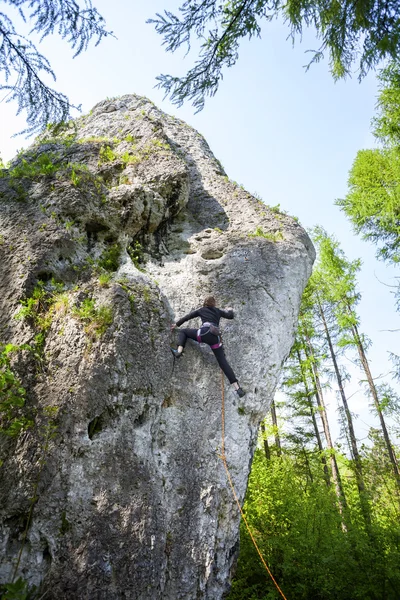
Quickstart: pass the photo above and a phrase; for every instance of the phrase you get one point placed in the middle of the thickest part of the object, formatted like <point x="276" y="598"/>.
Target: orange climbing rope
<point x="223" y="458"/>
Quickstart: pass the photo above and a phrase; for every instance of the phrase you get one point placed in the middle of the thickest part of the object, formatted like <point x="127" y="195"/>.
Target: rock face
<point x="117" y="490"/>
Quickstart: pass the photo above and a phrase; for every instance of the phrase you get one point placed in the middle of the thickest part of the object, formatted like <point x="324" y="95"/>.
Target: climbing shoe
<point x="176" y="353"/>
<point x="240" y="392"/>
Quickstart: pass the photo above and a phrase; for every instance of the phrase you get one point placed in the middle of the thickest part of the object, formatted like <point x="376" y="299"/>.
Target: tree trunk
<point x="353" y="440"/>
<point x="265" y="441"/>
<point x="307" y="463"/>
<point x="276" y="432"/>
<point x="341" y="497"/>
<point x="374" y="393"/>
<point x="314" y="421"/>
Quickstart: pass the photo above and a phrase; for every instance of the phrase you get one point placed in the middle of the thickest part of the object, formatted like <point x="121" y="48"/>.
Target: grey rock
<point x="131" y="499"/>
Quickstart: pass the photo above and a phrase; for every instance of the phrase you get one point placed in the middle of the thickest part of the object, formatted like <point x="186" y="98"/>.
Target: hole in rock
<point x="45" y="276"/>
<point x="46" y="554"/>
<point x="94" y="227"/>
<point x="212" y="254"/>
<point x="95" y="426"/>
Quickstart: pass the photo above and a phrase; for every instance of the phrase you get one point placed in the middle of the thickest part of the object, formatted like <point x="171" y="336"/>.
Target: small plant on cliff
<point x="106" y="154"/>
<point x="33" y="168"/>
<point x="104" y="279"/>
<point x="96" y="320"/>
<point x="274" y="236"/>
<point x="39" y="309"/>
<point x="109" y="260"/>
<point x="18" y="590"/>
<point x="135" y="251"/>
<point x="80" y="174"/>
<point x="33" y="307"/>
<point x="12" y="394"/>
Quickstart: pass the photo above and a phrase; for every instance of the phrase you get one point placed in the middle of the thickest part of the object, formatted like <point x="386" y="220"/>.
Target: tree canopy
<point x="351" y="33"/>
<point x="23" y="66"/>
<point x="373" y="200"/>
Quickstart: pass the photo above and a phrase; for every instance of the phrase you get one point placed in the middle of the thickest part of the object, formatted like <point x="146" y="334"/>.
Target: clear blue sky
<point x="288" y="135"/>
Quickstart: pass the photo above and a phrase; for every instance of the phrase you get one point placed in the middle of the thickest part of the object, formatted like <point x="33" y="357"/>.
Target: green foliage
<point x="104" y="279"/>
<point x="134" y="155"/>
<point x="19" y="590"/>
<point x="272" y="236"/>
<point x="12" y="394"/>
<point x="62" y="133"/>
<point x="349" y="33"/>
<point x="34" y="306"/>
<point x="109" y="260"/>
<point x="146" y="293"/>
<point x="373" y="200"/>
<point x="277" y="209"/>
<point x="131" y="296"/>
<point x="33" y="167"/>
<point x="39" y="309"/>
<point x="135" y="251"/>
<point x="297" y="527"/>
<point x="96" y="320"/>
<point x="387" y="123"/>
<point x="80" y="175"/>
<point x="106" y="154"/>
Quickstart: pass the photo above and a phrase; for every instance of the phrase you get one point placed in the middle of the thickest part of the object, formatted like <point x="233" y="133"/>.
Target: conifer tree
<point x="312" y="364"/>
<point x="357" y="462"/>
<point x="373" y="200"/>
<point x="23" y="66"/>
<point x="347" y="31"/>
<point x="298" y="386"/>
<point x="339" y="277"/>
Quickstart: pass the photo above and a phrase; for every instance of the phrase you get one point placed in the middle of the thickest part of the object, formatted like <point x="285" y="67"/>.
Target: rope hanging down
<point x="223" y="458"/>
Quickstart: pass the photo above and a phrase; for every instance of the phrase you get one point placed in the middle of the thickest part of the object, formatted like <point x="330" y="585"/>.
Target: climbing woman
<point x="208" y="333"/>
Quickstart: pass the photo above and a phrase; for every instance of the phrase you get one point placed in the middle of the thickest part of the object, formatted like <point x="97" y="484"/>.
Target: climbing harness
<point x="223" y="458"/>
<point x="209" y="328"/>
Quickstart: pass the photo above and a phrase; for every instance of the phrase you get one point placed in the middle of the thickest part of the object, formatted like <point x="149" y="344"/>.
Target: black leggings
<point x="209" y="339"/>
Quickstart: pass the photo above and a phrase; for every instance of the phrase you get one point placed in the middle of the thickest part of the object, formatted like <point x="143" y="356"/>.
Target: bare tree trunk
<point x="374" y="393"/>
<point x="265" y="441"/>
<point x="341" y="497"/>
<point x="276" y="432"/>
<point x="353" y="440"/>
<point x="314" y="421"/>
<point x="307" y="462"/>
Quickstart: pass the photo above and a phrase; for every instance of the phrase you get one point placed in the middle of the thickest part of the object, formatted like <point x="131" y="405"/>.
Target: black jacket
<point x="207" y="314"/>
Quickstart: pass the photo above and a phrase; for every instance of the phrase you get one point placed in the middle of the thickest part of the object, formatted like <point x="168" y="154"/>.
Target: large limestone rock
<point x="117" y="491"/>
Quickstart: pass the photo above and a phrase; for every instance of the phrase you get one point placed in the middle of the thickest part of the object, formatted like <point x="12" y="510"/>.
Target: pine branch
<point x="20" y="59"/>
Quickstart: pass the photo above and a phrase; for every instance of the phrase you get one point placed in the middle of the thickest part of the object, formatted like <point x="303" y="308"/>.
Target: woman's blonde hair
<point x="209" y="301"/>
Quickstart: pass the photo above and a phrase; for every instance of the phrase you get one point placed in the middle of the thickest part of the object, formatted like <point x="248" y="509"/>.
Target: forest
<point x="326" y="515"/>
